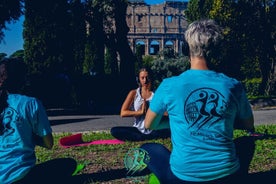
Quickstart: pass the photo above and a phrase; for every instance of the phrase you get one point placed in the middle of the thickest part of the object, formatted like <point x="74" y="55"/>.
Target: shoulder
<point x="226" y="77"/>
<point x="233" y="81"/>
<point x="23" y="102"/>
<point x="31" y="101"/>
<point x="133" y="92"/>
<point x="236" y="86"/>
<point x="170" y="81"/>
<point x="20" y="97"/>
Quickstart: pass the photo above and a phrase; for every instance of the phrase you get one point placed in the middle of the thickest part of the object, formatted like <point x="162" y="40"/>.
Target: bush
<point x="164" y="68"/>
<point x="252" y="86"/>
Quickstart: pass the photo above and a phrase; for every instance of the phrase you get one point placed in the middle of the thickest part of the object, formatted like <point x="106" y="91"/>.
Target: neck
<point x="145" y="92"/>
<point x="198" y="63"/>
<point x="145" y="88"/>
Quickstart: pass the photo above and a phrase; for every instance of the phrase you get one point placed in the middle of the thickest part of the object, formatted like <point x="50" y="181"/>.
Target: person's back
<point x="202" y="106"/>
<point x="17" y="146"/>
<point x="23" y="125"/>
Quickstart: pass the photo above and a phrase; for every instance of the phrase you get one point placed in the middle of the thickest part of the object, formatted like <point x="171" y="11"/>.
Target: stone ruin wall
<point x="160" y="23"/>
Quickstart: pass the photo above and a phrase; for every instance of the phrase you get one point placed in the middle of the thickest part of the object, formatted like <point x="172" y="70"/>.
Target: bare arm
<point x="45" y="141"/>
<point x="245" y="124"/>
<point x="125" y="109"/>
<point x="156" y="121"/>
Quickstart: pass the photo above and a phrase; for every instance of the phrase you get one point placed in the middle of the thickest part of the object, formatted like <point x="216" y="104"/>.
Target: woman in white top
<point x="136" y="105"/>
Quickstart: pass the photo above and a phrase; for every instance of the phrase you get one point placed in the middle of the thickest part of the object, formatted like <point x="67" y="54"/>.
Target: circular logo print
<point x="204" y="106"/>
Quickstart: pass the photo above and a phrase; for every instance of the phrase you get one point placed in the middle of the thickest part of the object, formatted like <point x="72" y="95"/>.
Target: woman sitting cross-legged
<point x="136" y="105"/>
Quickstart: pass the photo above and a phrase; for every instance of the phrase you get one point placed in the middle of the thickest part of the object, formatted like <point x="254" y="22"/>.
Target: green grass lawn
<point x="106" y="160"/>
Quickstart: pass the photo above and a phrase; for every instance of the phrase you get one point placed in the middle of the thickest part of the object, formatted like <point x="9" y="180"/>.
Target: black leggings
<point x="133" y="134"/>
<point x="159" y="163"/>
<point x="54" y="171"/>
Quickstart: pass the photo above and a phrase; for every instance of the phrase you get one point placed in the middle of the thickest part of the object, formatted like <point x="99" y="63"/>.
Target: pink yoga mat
<point x="76" y="140"/>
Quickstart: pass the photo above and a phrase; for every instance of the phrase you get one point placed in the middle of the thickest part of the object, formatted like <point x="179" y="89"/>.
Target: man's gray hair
<point x="202" y="36"/>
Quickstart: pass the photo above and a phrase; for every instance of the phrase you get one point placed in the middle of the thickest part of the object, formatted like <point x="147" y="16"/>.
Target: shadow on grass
<point x="267" y="177"/>
<point x="103" y="176"/>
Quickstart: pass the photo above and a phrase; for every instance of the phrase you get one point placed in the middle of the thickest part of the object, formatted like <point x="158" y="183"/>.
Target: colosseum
<point x="156" y="27"/>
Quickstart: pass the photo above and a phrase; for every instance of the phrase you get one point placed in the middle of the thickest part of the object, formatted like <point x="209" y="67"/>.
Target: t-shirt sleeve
<point x="157" y="104"/>
<point x="38" y="118"/>
<point x="245" y="110"/>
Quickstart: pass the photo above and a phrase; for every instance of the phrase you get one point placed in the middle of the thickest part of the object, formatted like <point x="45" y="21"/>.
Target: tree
<point x="164" y="68"/>
<point x="2" y="56"/>
<point x="107" y="26"/>
<point x="95" y="20"/>
<point x="219" y="11"/>
<point x="127" y="58"/>
<point x="89" y="55"/>
<point x="245" y="54"/>
<point x="10" y="10"/>
<point x="267" y="49"/>
<point x="47" y="36"/>
<point x="271" y="89"/>
<point x="231" y="52"/>
<point x="78" y="32"/>
<point x="168" y="53"/>
<point x="259" y="51"/>
<point x="48" y="50"/>
<point x="112" y="62"/>
<point x="139" y="56"/>
<point x="198" y="9"/>
<point x="18" y="54"/>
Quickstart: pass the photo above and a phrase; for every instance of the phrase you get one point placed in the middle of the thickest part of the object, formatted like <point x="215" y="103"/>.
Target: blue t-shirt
<point x="23" y="117"/>
<point x="202" y="107"/>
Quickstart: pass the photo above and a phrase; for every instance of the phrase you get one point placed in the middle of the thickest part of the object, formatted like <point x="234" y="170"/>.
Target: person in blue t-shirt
<point x="23" y="126"/>
<point x="204" y="107"/>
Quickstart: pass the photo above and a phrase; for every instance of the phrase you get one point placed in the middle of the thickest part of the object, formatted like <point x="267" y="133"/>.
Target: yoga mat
<point x="76" y="140"/>
<point x="78" y="169"/>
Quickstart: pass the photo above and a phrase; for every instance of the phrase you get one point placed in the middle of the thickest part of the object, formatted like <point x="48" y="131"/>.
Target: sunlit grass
<point x="104" y="157"/>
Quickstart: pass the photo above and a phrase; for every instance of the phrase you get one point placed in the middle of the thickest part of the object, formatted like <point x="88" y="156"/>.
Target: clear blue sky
<point x="13" y="39"/>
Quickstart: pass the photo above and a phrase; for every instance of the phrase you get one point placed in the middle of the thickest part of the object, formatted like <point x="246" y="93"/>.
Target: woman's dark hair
<point x="12" y="77"/>
<point x="3" y="90"/>
<point x="143" y="69"/>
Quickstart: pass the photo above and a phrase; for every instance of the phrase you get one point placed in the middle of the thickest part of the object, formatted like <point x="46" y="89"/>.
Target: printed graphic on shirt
<point x="7" y="117"/>
<point x="204" y="107"/>
<point x="135" y="160"/>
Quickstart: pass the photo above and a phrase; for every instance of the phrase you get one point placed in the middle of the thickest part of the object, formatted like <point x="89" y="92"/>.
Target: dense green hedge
<point x="252" y="86"/>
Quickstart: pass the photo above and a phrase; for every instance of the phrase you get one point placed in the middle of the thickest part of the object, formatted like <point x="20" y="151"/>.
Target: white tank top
<point x="139" y="120"/>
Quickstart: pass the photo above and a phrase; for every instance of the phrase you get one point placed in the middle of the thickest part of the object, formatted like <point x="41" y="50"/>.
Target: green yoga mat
<point x="153" y="179"/>
<point x="78" y="169"/>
